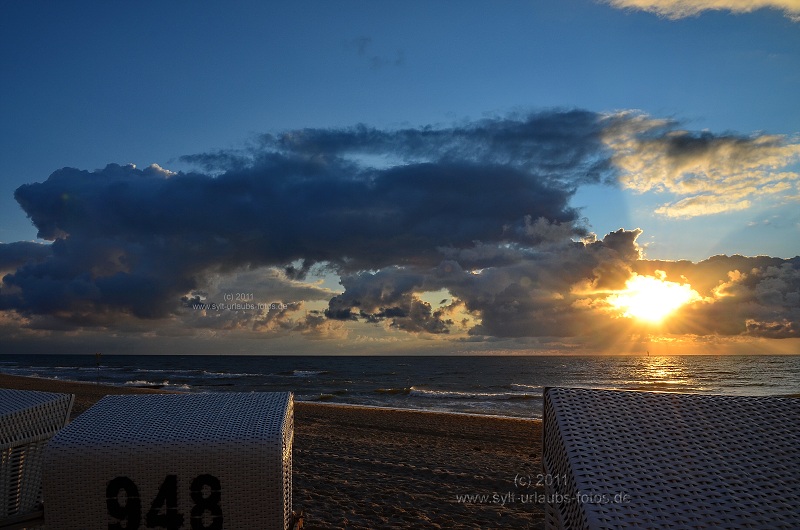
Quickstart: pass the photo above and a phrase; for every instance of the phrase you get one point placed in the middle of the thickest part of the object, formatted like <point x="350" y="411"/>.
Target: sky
<point x="400" y="177"/>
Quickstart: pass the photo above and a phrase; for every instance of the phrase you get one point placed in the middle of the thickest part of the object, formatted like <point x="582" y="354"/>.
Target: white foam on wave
<point x="229" y="374"/>
<point x="163" y="384"/>
<point x="452" y="394"/>
<point x="308" y="373"/>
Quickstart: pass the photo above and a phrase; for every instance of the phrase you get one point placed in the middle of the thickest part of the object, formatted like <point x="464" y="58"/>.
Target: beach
<point x="366" y="467"/>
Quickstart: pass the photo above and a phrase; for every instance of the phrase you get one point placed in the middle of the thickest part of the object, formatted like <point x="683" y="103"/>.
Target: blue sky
<point x="91" y="84"/>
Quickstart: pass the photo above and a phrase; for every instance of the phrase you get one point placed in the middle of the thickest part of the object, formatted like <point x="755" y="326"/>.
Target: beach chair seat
<point x="623" y="459"/>
<point x="174" y="461"/>
<point x="28" y="419"/>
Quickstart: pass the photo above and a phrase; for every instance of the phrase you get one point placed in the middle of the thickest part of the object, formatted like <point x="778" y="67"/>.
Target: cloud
<point x="752" y="296"/>
<point x="559" y="147"/>
<point x="263" y="285"/>
<point x="479" y="211"/>
<point x="539" y="296"/>
<point x="765" y="299"/>
<point x="709" y="173"/>
<point x="529" y="296"/>
<point x="14" y="255"/>
<point x="390" y="293"/>
<point x="675" y="9"/>
<point x="263" y="300"/>
<point x="363" y="46"/>
<point x="317" y="326"/>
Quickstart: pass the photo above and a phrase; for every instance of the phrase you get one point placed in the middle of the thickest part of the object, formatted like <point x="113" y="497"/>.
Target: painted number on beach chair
<point x="206" y="504"/>
<point x="131" y="512"/>
<point x="125" y="506"/>
<point x="167" y="498"/>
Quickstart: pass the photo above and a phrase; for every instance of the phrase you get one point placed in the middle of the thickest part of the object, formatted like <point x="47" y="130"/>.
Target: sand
<point x="365" y="468"/>
<point x="356" y="467"/>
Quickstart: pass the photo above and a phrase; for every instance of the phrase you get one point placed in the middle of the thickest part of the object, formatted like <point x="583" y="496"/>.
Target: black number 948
<point x="125" y="505"/>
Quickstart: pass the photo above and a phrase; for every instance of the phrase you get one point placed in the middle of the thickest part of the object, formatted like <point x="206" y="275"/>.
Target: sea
<point x="492" y="385"/>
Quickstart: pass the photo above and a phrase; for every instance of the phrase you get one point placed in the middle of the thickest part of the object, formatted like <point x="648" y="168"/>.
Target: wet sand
<point x="365" y="468"/>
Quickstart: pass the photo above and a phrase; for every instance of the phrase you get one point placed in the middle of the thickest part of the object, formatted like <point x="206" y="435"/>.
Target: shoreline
<point x="363" y="467"/>
<point x="45" y="384"/>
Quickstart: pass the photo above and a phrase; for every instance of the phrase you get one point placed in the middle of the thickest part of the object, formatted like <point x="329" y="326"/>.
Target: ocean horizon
<point x="492" y="385"/>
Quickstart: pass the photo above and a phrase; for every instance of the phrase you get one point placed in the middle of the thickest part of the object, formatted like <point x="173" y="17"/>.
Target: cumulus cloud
<point x="675" y="9"/>
<point x="753" y="296"/>
<point x="479" y="211"/>
<point x="563" y="290"/>
<point x="707" y="173"/>
<point x="527" y="296"/>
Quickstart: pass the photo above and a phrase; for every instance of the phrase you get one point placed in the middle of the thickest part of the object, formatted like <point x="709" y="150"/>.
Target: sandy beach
<point x="365" y="468"/>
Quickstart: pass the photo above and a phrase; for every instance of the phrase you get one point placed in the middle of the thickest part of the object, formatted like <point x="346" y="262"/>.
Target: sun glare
<point x="651" y="299"/>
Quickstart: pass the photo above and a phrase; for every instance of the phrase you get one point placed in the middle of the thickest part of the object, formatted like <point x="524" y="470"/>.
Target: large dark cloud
<point x="14" y="255"/>
<point x="135" y="240"/>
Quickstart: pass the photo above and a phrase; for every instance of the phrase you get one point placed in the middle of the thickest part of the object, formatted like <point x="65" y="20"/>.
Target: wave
<point x="93" y="368"/>
<point x="26" y="372"/>
<point x="306" y="373"/>
<point x="229" y="374"/>
<point x="394" y="391"/>
<point x="164" y="371"/>
<point x="488" y="396"/>
<point x="194" y="373"/>
<point x="537" y="388"/>
<point x="151" y="384"/>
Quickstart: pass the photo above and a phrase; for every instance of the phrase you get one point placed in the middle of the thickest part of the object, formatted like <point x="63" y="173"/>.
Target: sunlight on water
<point x="662" y="373"/>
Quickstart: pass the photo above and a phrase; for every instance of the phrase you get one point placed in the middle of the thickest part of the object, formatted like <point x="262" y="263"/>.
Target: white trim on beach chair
<point x="622" y="459"/>
<point x="174" y="461"/>
<point x="28" y="419"/>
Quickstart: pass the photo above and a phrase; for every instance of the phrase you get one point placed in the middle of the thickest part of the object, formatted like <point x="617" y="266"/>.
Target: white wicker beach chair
<point x="190" y="461"/>
<point x="619" y="459"/>
<point x="28" y="420"/>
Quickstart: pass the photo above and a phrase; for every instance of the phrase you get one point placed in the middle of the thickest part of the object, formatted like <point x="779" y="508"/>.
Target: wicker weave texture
<point x="217" y="460"/>
<point x="27" y="420"/>
<point x="678" y="461"/>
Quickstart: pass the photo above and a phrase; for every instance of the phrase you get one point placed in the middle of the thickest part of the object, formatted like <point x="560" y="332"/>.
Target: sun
<point x="651" y="299"/>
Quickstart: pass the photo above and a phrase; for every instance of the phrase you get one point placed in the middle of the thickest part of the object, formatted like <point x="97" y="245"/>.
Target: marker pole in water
<point x="97" y="357"/>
